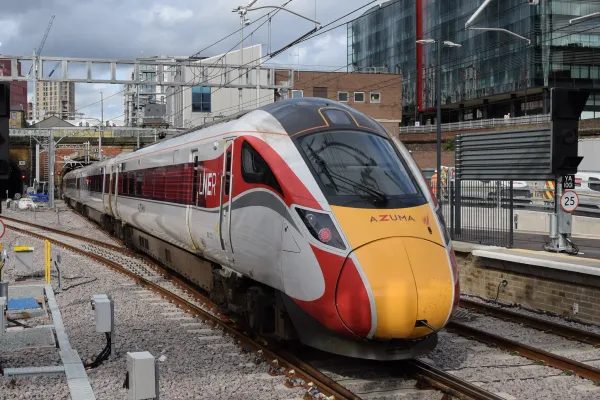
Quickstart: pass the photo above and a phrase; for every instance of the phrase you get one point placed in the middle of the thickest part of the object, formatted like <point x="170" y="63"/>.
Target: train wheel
<point x="260" y="310"/>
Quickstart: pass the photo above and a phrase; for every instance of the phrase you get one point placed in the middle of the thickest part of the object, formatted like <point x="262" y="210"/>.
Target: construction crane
<point x="42" y="43"/>
<point x="54" y="69"/>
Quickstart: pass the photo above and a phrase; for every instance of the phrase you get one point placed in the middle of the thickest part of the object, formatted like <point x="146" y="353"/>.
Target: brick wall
<point x="389" y="86"/>
<point x="478" y="277"/>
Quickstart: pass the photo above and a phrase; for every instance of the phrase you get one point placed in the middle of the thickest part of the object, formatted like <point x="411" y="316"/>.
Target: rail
<point x="533" y="353"/>
<point x="478" y="124"/>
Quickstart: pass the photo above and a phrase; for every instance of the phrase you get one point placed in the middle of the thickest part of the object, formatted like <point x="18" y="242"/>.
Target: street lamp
<point x="438" y="84"/>
<point x="502" y="30"/>
<point x="585" y="17"/>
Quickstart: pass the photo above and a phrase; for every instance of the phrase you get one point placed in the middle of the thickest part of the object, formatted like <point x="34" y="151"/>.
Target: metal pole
<point x="35" y="99"/>
<point x="51" y="160"/>
<point x="101" y="126"/>
<point x="37" y="163"/>
<point x="137" y="101"/>
<point x="257" y="86"/>
<point x="240" y="99"/>
<point x="439" y="120"/>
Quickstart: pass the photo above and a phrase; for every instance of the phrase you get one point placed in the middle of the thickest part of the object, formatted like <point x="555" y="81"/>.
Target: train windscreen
<point x="359" y="169"/>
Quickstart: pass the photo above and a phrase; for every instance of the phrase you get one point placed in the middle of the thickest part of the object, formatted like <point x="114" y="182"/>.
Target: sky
<point x="128" y="29"/>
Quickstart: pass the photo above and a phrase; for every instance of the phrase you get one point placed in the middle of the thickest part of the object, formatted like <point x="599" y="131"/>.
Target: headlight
<point x="321" y="227"/>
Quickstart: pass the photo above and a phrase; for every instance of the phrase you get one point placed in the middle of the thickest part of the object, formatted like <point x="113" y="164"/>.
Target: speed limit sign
<point x="569" y="201"/>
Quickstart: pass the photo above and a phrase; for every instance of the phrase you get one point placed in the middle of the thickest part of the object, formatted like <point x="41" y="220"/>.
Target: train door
<point x="225" y="211"/>
<point x="194" y="159"/>
<point x="118" y="174"/>
<point x="104" y="188"/>
<point x="109" y="190"/>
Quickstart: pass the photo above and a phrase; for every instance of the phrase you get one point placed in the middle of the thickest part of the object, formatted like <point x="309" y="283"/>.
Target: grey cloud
<point x="128" y="29"/>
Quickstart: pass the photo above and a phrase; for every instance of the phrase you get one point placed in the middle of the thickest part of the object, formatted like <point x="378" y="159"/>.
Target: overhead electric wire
<point x="278" y="52"/>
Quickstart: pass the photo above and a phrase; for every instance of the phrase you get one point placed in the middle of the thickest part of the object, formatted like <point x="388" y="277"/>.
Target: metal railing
<point x="91" y="132"/>
<point x="478" y="124"/>
<point x="484" y="212"/>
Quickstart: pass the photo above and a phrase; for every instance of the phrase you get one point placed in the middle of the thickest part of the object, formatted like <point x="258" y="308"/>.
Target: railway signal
<point x="4" y="143"/>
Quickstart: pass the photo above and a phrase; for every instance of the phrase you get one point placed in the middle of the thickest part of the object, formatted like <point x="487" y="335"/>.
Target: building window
<point x="13" y="126"/>
<point x="201" y="99"/>
<point x="359" y="97"/>
<point x="320" y="92"/>
<point x="296" y="94"/>
<point x="13" y="115"/>
<point x="343" y="97"/>
<point x="375" y="98"/>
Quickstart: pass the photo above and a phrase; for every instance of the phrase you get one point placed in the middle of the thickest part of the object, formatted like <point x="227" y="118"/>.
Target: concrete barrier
<point x="539" y="222"/>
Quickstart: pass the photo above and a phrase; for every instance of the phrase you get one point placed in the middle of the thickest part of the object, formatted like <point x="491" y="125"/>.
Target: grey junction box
<point x="102" y="313"/>
<point x="142" y="376"/>
<point x="24" y="259"/>
<point x="3" y="321"/>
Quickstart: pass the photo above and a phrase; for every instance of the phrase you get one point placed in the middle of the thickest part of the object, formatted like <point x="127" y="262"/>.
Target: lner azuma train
<point x="304" y="217"/>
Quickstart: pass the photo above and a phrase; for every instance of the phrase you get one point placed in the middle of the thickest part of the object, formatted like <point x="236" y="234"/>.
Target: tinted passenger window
<point x="359" y="169"/>
<point x="256" y="170"/>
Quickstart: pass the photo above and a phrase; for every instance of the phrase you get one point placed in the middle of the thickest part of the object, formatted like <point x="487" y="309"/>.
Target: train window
<point x="360" y="169"/>
<point x="131" y="189"/>
<point x="228" y="174"/>
<point x="256" y="170"/>
<point x="139" y="183"/>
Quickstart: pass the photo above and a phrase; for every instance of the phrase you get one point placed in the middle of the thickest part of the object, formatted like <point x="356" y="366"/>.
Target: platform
<point x="41" y="337"/>
<point x="558" y="283"/>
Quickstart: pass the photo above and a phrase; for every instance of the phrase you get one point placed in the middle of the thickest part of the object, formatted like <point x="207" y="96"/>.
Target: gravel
<point x="196" y="360"/>
<point x="517" y="308"/>
<point x="69" y="221"/>
<point x="507" y="375"/>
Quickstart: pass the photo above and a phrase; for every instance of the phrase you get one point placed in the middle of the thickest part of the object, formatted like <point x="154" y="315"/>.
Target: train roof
<point x="310" y="113"/>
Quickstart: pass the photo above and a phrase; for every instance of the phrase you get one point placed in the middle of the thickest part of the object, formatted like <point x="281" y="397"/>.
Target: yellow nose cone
<point x="410" y="280"/>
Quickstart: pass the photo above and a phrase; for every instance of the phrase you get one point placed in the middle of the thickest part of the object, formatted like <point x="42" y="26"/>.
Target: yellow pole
<point x="48" y="253"/>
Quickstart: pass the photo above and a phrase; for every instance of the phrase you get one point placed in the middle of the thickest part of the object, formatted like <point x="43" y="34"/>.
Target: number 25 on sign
<point x="569" y="201"/>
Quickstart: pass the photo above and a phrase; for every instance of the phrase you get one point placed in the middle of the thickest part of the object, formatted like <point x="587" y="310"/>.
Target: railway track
<point x="296" y="369"/>
<point x="533" y="353"/>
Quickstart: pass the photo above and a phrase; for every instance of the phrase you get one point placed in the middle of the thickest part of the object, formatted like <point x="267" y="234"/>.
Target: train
<point x="303" y="218"/>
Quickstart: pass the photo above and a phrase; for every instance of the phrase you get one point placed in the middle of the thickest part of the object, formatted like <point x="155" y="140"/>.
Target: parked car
<point x="587" y="186"/>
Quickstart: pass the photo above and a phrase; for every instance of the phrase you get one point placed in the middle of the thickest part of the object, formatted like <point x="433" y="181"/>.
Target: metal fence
<point x="479" y="212"/>
<point x="479" y="124"/>
<point x="92" y="132"/>
<point x="484" y="212"/>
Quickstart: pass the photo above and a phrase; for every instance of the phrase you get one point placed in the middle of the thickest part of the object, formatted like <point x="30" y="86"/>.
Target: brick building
<point x="18" y="90"/>
<point x="377" y="95"/>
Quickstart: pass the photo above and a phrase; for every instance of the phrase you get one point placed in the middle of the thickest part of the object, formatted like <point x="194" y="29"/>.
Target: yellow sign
<point x="19" y="249"/>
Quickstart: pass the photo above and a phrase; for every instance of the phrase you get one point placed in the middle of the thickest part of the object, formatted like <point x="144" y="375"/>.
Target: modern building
<point x="375" y="94"/>
<point x="493" y="74"/>
<point x="231" y="91"/>
<point x="18" y="90"/>
<point x="56" y="98"/>
<point x="136" y="99"/>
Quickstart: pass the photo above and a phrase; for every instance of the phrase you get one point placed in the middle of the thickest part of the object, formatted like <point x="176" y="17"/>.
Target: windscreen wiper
<point x="381" y="197"/>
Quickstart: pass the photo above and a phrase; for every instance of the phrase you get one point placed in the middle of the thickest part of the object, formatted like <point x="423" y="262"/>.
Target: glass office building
<point x="493" y="73"/>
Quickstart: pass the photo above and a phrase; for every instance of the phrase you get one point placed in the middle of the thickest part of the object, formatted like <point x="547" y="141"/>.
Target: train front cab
<point x="398" y="283"/>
